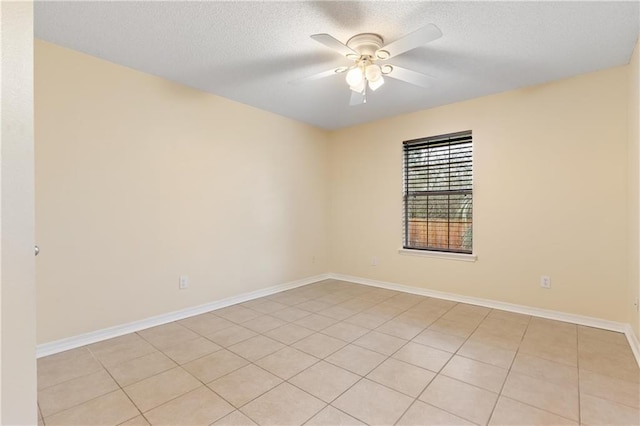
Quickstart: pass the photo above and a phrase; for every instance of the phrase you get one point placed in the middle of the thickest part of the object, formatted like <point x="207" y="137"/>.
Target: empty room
<point x="320" y="213"/>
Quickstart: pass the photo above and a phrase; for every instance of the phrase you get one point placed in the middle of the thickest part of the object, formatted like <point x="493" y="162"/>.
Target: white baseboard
<point x="73" y="342"/>
<point x="633" y="342"/>
<point x="510" y="307"/>
<point x="108" y="333"/>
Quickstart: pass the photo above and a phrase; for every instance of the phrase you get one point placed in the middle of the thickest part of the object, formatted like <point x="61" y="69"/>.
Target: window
<point x="438" y="194"/>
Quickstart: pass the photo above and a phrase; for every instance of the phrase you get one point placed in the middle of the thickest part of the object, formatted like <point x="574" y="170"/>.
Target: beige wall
<point x="634" y="187"/>
<point x="550" y="197"/>
<point x="17" y="290"/>
<point x="139" y="180"/>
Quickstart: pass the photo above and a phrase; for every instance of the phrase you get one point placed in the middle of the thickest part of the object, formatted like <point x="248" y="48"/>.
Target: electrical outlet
<point x="636" y="304"/>
<point x="374" y="261"/>
<point x="184" y="282"/>
<point x="313" y="259"/>
<point x="545" y="281"/>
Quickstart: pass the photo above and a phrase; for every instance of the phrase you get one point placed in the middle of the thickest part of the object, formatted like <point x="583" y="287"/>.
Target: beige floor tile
<point x="319" y="345"/>
<point x="476" y="373"/>
<point x="623" y="369"/>
<point x="338" y="312"/>
<point x="547" y="326"/>
<point x="380" y="342"/>
<point x="597" y="411"/>
<point x="356" y="359"/>
<point x="509" y="316"/>
<point x="291" y="314"/>
<point x="423" y="356"/>
<point x="455" y="328"/>
<point x="489" y="354"/>
<point x="235" y="419"/>
<point x="289" y="333"/>
<point x="405" y="300"/>
<point x="612" y="389"/>
<point x="493" y="338"/>
<point x="597" y="347"/>
<point x="384" y="311"/>
<point x="267" y="306"/>
<point x="256" y="347"/>
<point x="198" y="407"/>
<point x="421" y="414"/>
<point x="463" y="400"/>
<point x="509" y="412"/>
<point x="345" y="331"/>
<point x="443" y="341"/>
<point x="316" y="322"/>
<point x="283" y="405"/>
<point x="205" y="323"/>
<point x="136" y="421"/>
<point x="403" y="377"/>
<point x="564" y="354"/>
<point x="543" y="369"/>
<point x="610" y="337"/>
<point x="190" y="350"/>
<point x="364" y="402"/>
<point x="314" y="306"/>
<point x="417" y="317"/>
<point x="264" y="323"/>
<point x="367" y="320"/>
<point x="325" y="381"/>
<point x="110" y="409"/>
<point x="167" y="335"/>
<point x="58" y="368"/>
<point x="74" y="392"/>
<point x="512" y="330"/>
<point x="157" y="390"/>
<point x="403" y="329"/>
<point x="231" y="335"/>
<point x="357" y="304"/>
<point x="287" y="299"/>
<point x="219" y="363"/>
<point x="333" y="417"/>
<point x="244" y="384"/>
<point x="237" y="313"/>
<point x="287" y="362"/>
<point x="119" y="349"/>
<point x="130" y="372"/>
<point x="557" y="399"/>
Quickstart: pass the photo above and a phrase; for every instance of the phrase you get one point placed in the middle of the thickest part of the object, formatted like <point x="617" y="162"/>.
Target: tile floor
<point x="337" y="353"/>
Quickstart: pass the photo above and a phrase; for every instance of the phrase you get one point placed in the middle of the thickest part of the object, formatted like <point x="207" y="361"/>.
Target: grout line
<point x="509" y="370"/>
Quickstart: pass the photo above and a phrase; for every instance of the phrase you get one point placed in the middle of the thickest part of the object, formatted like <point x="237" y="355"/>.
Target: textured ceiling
<point x="250" y="51"/>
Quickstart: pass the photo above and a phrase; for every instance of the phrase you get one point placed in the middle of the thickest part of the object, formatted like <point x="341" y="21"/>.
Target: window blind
<point x="438" y="193"/>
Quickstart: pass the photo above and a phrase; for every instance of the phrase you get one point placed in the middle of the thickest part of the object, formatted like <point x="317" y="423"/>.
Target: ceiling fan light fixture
<point x="374" y="85"/>
<point x="355" y="77"/>
<point x="383" y="54"/>
<point x="359" y="88"/>
<point x="373" y="72"/>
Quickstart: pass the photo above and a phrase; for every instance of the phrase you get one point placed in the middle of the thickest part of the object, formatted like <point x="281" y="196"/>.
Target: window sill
<point x="439" y="255"/>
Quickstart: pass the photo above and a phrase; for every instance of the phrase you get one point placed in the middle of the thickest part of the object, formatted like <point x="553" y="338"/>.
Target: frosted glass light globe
<point x="373" y="72"/>
<point x="354" y="77"/>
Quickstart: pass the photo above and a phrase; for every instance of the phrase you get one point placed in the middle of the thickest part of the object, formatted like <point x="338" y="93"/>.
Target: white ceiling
<point x="249" y="51"/>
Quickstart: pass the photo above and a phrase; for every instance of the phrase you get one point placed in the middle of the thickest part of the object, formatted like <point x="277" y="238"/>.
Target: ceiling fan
<point x="369" y="53"/>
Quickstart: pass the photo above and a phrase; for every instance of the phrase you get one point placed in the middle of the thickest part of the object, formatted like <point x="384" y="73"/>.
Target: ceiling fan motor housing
<point x="366" y="44"/>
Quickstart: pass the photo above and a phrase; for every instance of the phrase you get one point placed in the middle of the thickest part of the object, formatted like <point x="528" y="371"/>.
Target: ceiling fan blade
<point x="411" y="77"/>
<point x="323" y="74"/>
<point x="357" y="98"/>
<point x="334" y="44"/>
<point x="415" y="39"/>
